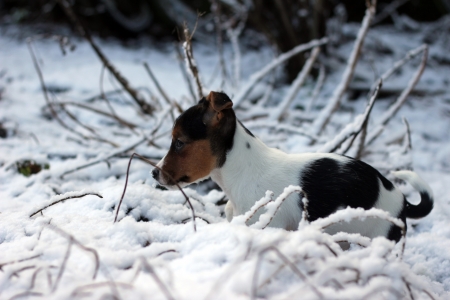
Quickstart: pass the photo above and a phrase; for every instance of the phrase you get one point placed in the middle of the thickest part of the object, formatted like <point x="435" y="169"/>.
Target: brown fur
<point x="194" y="161"/>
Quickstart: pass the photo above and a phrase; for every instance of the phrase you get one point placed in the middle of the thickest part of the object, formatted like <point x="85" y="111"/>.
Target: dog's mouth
<point x="170" y="183"/>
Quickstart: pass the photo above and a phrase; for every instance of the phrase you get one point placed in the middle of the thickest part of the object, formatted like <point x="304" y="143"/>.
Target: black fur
<point x="246" y="130"/>
<point x="221" y="136"/>
<point x="191" y="122"/>
<point x="422" y="209"/>
<point x="330" y="184"/>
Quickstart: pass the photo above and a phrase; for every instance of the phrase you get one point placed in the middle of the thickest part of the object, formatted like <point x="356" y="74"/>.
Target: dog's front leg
<point x="229" y="211"/>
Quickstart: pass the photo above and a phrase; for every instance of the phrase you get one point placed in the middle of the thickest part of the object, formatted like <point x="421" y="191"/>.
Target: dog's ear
<point x="218" y="104"/>
<point x="219" y="101"/>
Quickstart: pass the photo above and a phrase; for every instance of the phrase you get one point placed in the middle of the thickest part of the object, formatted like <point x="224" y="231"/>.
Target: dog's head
<point x="201" y="138"/>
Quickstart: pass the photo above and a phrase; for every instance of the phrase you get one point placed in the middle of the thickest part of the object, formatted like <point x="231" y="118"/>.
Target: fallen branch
<point x="145" y="107"/>
<point x="256" y="77"/>
<point x="64" y="199"/>
<point x="333" y="104"/>
<point x="166" y="174"/>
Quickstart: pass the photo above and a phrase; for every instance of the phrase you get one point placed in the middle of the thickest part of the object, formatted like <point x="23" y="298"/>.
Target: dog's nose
<point x="155" y="173"/>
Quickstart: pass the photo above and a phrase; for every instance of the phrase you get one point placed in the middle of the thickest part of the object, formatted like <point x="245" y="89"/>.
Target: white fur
<point x="248" y="173"/>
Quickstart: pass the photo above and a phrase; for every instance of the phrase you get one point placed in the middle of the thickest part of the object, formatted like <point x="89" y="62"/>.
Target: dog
<point x="209" y="141"/>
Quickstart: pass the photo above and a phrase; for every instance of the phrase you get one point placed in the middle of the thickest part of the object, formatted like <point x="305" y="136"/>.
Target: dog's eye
<point x="178" y="145"/>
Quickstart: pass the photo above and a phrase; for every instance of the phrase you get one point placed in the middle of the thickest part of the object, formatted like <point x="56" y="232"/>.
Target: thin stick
<point x="98" y="111"/>
<point x="184" y="73"/>
<point x="79" y="290"/>
<point x="190" y="62"/>
<point x="19" y="260"/>
<point x="64" y="199"/>
<point x="333" y="104"/>
<point x="73" y="240"/>
<point x="162" y="286"/>
<point x="256" y="77"/>
<point x="165" y="173"/>
<point x="145" y="107"/>
<point x="63" y="264"/>
<point x="287" y="262"/>
<point x="102" y="92"/>
<point x="317" y="88"/>
<point x="297" y="84"/>
<point x="387" y="116"/>
<point x="102" y="159"/>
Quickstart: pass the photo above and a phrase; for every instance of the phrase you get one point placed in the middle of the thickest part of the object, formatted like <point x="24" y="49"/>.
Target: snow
<point x="153" y="249"/>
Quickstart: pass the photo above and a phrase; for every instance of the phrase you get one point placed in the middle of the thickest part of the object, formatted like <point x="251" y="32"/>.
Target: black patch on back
<point x="329" y="184"/>
<point x="246" y="130"/>
<point x="248" y="145"/>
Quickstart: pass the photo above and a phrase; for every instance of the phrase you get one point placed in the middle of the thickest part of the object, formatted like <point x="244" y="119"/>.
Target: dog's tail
<point x="426" y="195"/>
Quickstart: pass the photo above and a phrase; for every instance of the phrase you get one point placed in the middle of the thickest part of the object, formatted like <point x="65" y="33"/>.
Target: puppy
<point x="209" y="141"/>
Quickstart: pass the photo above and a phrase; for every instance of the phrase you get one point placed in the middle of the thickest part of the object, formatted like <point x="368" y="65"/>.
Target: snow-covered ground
<point x="73" y="248"/>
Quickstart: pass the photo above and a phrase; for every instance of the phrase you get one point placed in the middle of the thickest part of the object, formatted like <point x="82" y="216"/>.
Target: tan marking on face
<point x="194" y="161"/>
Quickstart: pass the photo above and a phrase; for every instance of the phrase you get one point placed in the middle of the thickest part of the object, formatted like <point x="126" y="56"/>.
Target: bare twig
<point x="166" y="174"/>
<point x="18" y="261"/>
<point x="296" y="85"/>
<point x="287" y="262"/>
<point x="317" y="88"/>
<point x="63" y="264"/>
<point x="333" y="104"/>
<point x="145" y="107"/>
<point x="64" y="199"/>
<point x="98" y="111"/>
<point x="256" y="77"/>
<point x="73" y="240"/>
<point x="184" y="73"/>
<point x="148" y="268"/>
<point x="80" y="290"/>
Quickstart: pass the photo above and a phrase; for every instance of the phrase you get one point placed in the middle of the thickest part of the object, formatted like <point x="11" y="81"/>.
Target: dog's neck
<point x="246" y="169"/>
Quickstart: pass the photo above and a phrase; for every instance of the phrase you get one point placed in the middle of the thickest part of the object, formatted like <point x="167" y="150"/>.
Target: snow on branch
<point x="273" y="206"/>
<point x="256" y="77"/>
<point x="243" y="219"/>
<point x="387" y="116"/>
<point x="296" y="85"/>
<point x="66" y="196"/>
<point x="191" y="64"/>
<point x="352" y="129"/>
<point x="333" y="104"/>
